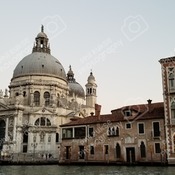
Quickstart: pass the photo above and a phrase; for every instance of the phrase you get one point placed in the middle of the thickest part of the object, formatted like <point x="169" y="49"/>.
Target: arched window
<point x="42" y="121"/>
<point x="173" y="110"/>
<point x="47" y="98"/>
<point x="2" y="133"/>
<point x="142" y="150"/>
<point x="113" y="131"/>
<point x="24" y="94"/>
<point x="36" y="98"/>
<point x="118" y="151"/>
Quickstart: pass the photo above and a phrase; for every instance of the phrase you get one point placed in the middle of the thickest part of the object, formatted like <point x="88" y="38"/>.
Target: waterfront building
<point x="40" y="98"/>
<point x="168" y="84"/>
<point x="131" y="134"/>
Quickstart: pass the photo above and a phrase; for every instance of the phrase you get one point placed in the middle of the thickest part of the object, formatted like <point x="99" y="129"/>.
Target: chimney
<point x="97" y="110"/>
<point x="92" y="114"/>
<point x="149" y="101"/>
<point x="149" y="104"/>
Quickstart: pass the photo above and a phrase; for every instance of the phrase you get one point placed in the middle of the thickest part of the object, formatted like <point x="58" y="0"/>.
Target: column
<point x="6" y="129"/>
<point x="14" y="129"/>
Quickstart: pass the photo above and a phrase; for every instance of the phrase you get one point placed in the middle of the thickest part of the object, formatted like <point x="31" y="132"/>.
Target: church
<point x="40" y="98"/>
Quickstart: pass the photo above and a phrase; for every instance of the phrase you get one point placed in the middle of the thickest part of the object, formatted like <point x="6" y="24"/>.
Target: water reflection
<point x="85" y="170"/>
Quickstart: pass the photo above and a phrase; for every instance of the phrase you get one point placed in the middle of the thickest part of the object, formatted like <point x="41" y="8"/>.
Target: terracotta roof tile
<point x="142" y="112"/>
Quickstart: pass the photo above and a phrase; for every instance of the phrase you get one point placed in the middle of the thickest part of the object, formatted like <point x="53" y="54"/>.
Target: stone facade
<point x="168" y="84"/>
<point x="130" y="134"/>
<point x="40" y="98"/>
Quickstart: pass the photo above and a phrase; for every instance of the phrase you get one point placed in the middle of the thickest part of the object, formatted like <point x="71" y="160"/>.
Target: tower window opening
<point x="90" y="90"/>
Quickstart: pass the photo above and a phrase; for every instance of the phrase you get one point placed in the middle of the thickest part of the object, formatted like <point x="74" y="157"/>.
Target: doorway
<point x="68" y="150"/>
<point x="81" y="152"/>
<point x="130" y="154"/>
<point x="25" y="142"/>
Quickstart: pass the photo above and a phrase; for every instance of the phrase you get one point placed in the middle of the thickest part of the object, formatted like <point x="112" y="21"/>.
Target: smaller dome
<point x="41" y="35"/>
<point x="76" y="88"/>
<point x="91" y="78"/>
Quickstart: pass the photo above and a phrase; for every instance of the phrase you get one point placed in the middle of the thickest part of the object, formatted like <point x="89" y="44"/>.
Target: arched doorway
<point x="2" y="133"/>
<point x="118" y="151"/>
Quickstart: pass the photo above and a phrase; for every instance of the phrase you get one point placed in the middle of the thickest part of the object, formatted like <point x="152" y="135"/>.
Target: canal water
<point x="86" y="170"/>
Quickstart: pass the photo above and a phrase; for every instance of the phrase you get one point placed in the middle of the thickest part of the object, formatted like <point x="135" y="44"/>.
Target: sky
<point x="121" y="41"/>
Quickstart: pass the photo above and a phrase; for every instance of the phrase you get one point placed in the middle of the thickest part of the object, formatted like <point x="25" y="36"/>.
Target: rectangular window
<point x="127" y="113"/>
<point x="67" y="133"/>
<point x="171" y="81"/>
<point x="92" y="150"/>
<point x="106" y="149"/>
<point x="157" y="148"/>
<point x="128" y="125"/>
<point x="141" y="128"/>
<point x="156" y="129"/>
<point x="80" y="132"/>
<point x="172" y="113"/>
<point x="91" y="132"/>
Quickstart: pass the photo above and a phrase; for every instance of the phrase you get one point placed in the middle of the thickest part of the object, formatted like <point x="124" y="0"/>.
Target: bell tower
<point x="91" y="90"/>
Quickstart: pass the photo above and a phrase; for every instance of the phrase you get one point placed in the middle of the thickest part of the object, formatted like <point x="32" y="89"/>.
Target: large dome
<point x="39" y="63"/>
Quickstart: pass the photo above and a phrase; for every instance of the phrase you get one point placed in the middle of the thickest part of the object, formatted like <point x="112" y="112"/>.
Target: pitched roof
<point x="141" y="112"/>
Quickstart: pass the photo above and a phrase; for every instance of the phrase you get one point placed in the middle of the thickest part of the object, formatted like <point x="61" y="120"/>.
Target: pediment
<point x="43" y="111"/>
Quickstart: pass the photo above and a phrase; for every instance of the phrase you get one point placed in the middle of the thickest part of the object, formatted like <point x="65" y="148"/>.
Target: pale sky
<point x="120" y="40"/>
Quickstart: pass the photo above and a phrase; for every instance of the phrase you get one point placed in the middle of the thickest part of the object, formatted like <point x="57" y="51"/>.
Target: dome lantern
<point x="41" y="42"/>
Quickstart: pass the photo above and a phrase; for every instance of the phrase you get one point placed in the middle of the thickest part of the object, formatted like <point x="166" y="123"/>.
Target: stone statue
<point x="1" y="93"/>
